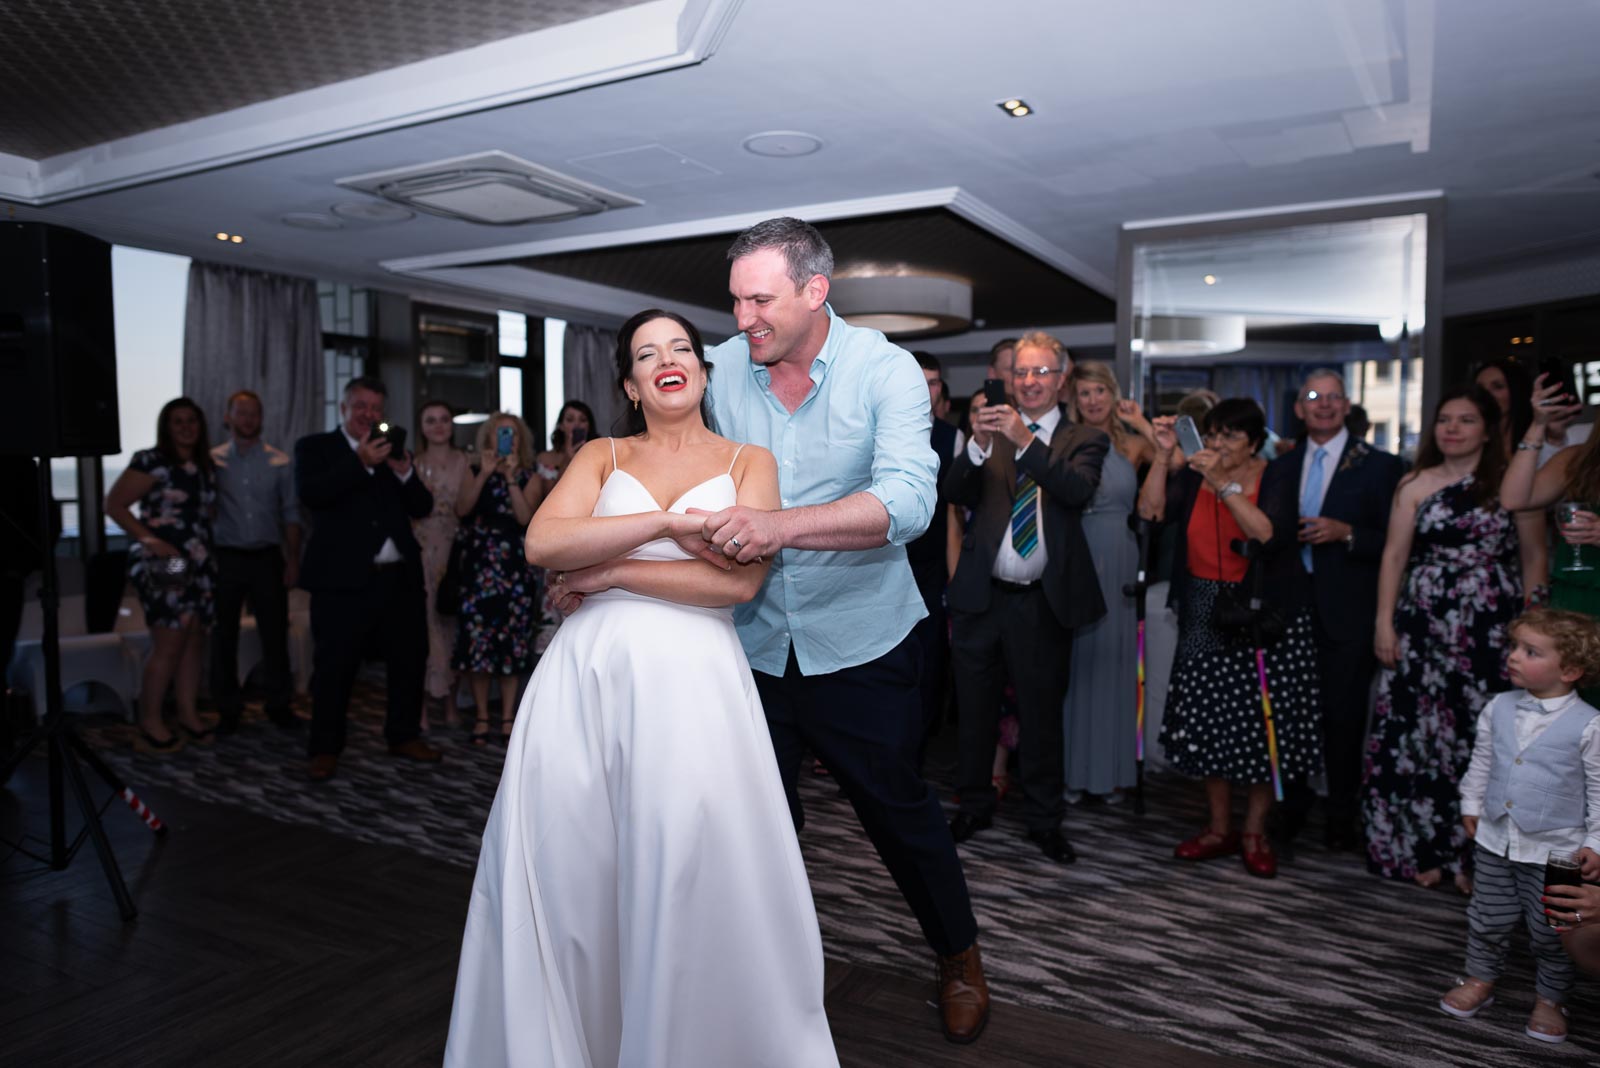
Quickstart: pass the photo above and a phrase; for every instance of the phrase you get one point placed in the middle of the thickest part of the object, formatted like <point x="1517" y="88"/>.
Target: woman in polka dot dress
<point x="1214" y="728"/>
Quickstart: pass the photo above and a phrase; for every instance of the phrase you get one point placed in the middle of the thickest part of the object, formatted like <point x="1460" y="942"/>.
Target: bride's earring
<point x="636" y="404"/>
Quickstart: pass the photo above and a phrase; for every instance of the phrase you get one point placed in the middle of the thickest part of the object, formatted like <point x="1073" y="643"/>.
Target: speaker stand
<point x="65" y="749"/>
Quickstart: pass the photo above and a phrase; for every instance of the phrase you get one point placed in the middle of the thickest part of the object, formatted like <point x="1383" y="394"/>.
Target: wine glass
<point x="1567" y="514"/>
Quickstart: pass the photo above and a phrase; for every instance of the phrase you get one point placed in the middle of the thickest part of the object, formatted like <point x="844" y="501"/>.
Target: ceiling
<point x="229" y="115"/>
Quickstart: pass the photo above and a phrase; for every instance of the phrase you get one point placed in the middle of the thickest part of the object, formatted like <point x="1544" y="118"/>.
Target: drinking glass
<point x="1571" y="556"/>
<point x="1561" y="869"/>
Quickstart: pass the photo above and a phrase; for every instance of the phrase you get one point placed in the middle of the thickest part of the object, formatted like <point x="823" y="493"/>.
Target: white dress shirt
<point x="1499" y="834"/>
<point x="388" y="553"/>
<point x="1008" y="566"/>
<point x="1335" y="446"/>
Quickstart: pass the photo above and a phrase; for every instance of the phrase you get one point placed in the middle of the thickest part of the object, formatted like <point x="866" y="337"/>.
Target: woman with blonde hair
<point x="1101" y="706"/>
<point x="496" y="624"/>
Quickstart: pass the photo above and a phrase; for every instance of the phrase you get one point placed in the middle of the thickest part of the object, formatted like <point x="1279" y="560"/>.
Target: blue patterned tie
<point x="1309" y="502"/>
<point x="1025" y="512"/>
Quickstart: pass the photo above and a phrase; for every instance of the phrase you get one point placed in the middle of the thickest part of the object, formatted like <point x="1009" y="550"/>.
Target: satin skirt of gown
<point x="640" y="897"/>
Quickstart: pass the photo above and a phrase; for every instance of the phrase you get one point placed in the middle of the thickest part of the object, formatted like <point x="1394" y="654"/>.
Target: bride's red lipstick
<point x="683" y="382"/>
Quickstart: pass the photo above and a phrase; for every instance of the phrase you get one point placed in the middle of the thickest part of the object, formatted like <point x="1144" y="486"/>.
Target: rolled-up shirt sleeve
<point x="1590" y="747"/>
<point x="905" y="469"/>
<point x="1475" y="783"/>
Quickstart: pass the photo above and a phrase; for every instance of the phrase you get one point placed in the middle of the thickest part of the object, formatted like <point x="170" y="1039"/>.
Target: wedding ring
<point x="1578" y="914"/>
<point x="736" y="543"/>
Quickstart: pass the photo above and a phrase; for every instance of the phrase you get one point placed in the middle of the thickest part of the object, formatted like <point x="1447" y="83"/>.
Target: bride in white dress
<point x="640" y="897"/>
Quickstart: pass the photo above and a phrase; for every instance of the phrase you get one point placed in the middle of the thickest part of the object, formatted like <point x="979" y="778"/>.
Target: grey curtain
<point x="589" y="374"/>
<point x="262" y="332"/>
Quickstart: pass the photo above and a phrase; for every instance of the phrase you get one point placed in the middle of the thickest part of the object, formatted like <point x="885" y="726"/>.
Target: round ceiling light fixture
<point x="310" y="220"/>
<point x="903" y="305"/>
<point x="1190" y="335"/>
<point x="372" y="211"/>
<point x="782" y="144"/>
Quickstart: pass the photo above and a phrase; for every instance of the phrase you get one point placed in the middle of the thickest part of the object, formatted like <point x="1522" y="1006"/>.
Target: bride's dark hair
<point x="632" y="418"/>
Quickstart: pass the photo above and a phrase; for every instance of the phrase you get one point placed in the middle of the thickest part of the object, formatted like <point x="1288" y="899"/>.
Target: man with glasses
<point x="1023" y="582"/>
<point x="1346" y="490"/>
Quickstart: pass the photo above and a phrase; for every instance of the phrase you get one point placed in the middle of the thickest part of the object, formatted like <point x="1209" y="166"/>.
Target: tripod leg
<point x="97" y="834"/>
<point x="58" y="809"/>
<point x="110" y="778"/>
<point x="38" y="735"/>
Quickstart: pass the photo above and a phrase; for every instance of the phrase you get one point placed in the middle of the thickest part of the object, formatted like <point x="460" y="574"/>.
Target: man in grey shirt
<point x="257" y="543"/>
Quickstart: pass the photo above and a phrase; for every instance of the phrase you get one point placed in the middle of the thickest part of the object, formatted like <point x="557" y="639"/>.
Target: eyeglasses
<point x="1026" y="373"/>
<point x="1227" y="437"/>
<point x="1312" y="394"/>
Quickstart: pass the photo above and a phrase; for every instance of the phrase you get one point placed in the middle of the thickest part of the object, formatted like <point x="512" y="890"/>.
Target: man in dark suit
<point x="929" y="556"/>
<point x="1346" y="490"/>
<point x="1023" y="582"/>
<point x="363" y="568"/>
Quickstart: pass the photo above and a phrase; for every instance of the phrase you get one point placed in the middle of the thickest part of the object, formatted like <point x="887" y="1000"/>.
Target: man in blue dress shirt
<point x="846" y="414"/>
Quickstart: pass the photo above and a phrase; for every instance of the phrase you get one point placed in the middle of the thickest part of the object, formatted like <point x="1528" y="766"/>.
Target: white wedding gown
<point x="640" y="898"/>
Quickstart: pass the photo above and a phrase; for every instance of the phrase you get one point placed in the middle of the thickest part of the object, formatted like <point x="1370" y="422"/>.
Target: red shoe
<point x="1259" y="859"/>
<point x="1002" y="786"/>
<point x="1207" y="845"/>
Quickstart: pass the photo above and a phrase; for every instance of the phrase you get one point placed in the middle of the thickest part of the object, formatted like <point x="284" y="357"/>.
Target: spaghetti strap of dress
<point x="613" y="442"/>
<point x="735" y="459"/>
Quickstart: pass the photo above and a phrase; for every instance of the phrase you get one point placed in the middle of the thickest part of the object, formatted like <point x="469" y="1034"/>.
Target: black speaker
<point x="58" y="351"/>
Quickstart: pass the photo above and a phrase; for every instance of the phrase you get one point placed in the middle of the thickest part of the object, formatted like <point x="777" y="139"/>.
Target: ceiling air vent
<point x="492" y="188"/>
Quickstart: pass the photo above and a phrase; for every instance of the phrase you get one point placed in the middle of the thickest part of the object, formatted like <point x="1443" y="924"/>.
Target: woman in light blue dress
<point x="1100" y="711"/>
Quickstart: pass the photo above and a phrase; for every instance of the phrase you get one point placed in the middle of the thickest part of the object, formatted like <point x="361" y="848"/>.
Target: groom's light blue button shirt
<point x="864" y="426"/>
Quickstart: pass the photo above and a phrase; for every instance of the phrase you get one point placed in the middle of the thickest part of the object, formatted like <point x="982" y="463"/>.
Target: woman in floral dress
<point x="495" y="627"/>
<point x="1449" y="584"/>
<point x="442" y="468"/>
<point x="170" y="564"/>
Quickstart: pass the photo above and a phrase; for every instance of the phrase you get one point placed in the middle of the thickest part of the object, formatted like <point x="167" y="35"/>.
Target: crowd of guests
<point x="1299" y="583"/>
<point x="413" y="555"/>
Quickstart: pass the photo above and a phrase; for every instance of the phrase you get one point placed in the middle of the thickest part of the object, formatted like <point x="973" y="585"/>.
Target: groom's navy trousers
<point x="864" y="724"/>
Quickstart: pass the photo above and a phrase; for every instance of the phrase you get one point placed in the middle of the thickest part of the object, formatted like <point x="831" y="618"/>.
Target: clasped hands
<point x="736" y="535"/>
<point x="991" y="419"/>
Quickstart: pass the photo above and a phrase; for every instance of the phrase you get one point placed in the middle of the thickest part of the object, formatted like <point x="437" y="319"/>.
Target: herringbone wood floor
<point x="262" y="943"/>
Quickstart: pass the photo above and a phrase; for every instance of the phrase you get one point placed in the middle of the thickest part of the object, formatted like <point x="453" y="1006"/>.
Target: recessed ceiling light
<point x="236" y="239"/>
<point x="1011" y="105"/>
<point x="221" y="236"/>
<point x="1210" y="279"/>
<point x="782" y="143"/>
<point x="1015" y="108"/>
<point x="1516" y="341"/>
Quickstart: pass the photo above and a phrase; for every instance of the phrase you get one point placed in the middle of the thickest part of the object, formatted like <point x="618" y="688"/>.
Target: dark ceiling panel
<point x="1010" y="288"/>
<point x="75" y="73"/>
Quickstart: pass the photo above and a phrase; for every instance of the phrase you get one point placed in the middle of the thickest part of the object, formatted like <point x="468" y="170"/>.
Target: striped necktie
<point x="1025" y="512"/>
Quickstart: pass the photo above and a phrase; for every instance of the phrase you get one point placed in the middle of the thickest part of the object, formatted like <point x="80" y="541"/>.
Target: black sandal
<point x="480" y="732"/>
<point x="147" y="743"/>
<point x="204" y="736"/>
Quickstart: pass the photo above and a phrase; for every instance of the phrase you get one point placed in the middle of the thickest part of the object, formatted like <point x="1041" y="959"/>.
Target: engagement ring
<point x="736" y="543"/>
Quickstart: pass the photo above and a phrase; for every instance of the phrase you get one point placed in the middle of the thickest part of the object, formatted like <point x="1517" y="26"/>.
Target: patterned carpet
<point x="1323" y="966"/>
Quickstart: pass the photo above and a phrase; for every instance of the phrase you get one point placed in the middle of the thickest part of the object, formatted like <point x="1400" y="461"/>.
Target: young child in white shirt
<point x="1533" y="787"/>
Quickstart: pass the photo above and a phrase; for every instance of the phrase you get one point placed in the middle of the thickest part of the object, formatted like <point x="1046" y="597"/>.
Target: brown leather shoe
<point x="963" y="996"/>
<point x="416" y="749"/>
<point x="323" y="765"/>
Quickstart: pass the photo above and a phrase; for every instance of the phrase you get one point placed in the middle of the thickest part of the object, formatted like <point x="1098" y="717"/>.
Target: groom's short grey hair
<point x="804" y="250"/>
<point x="1323" y="372"/>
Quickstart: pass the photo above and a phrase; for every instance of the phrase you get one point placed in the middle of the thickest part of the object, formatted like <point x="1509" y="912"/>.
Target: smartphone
<point x="395" y="434"/>
<point x="994" y="392"/>
<point x="1188" y="435"/>
<point x="504" y="438"/>
<point x="579" y="435"/>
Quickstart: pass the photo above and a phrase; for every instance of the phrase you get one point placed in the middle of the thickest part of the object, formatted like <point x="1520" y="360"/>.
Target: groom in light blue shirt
<point x="846" y="415"/>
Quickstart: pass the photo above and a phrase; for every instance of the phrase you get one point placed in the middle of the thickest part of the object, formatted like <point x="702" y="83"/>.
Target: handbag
<point x="447" y="598"/>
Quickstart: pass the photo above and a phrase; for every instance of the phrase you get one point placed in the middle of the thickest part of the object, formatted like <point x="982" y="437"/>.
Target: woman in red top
<point x="1214" y="727"/>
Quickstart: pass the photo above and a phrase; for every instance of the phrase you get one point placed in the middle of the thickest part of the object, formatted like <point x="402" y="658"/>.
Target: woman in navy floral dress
<point x="169" y="561"/>
<point x="496" y="626"/>
<point x="1441" y="634"/>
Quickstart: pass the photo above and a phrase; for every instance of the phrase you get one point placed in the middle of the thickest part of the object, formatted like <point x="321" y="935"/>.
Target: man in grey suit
<point x="1023" y="582"/>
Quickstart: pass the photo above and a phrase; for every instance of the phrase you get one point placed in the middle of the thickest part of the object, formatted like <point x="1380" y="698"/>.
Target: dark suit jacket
<point x="352" y="512"/>
<point x="1344" y="582"/>
<point x="927" y="552"/>
<point x="1068" y="473"/>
